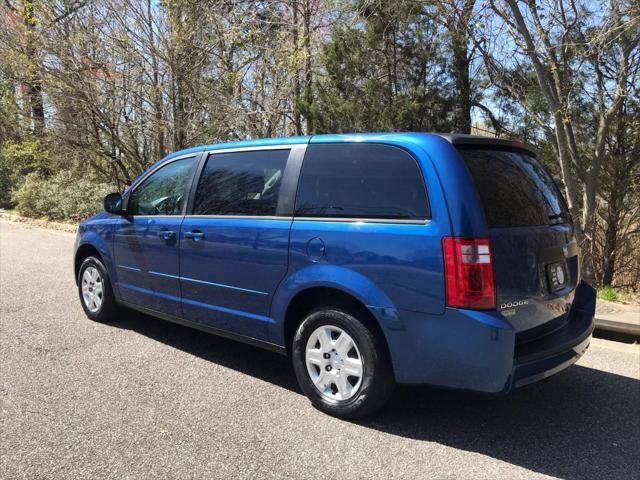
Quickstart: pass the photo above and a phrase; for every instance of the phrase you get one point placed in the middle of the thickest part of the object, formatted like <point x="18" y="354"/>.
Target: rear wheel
<point x="341" y="365"/>
<point x="96" y="294"/>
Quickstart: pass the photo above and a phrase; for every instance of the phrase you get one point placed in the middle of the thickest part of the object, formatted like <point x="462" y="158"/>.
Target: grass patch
<point x="609" y="294"/>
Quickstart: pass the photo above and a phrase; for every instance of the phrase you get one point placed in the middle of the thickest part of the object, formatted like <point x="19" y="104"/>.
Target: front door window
<point x="164" y="192"/>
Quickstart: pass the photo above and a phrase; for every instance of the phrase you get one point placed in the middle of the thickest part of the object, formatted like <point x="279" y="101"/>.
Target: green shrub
<point x="7" y="183"/>
<point x="27" y="156"/>
<point x="18" y="159"/>
<point x="608" y="293"/>
<point x="60" y="197"/>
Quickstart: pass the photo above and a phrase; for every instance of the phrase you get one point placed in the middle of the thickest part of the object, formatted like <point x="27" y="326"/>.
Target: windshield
<point x="514" y="188"/>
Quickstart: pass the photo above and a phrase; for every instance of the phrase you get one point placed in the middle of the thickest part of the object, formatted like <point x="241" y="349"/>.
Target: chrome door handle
<point x="195" y="235"/>
<point x="167" y="234"/>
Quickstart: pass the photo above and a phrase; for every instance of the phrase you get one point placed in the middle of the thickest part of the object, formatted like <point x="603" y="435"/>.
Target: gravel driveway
<point x="145" y="398"/>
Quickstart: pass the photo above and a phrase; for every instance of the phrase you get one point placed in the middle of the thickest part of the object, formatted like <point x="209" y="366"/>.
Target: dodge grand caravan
<point x="370" y="260"/>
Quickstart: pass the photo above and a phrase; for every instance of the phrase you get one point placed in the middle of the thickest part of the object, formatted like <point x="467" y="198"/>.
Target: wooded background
<point x="93" y="92"/>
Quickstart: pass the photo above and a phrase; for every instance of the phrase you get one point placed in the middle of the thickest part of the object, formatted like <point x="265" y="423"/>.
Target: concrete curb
<point x="618" y="317"/>
<point x="617" y="327"/>
<point x="35" y="222"/>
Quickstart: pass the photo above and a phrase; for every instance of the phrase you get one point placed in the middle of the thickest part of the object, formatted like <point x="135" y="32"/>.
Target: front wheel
<point x="341" y="365"/>
<point x="94" y="288"/>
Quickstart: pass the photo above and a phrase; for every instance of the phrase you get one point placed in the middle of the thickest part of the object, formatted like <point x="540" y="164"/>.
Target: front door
<point x="146" y="239"/>
<point x="234" y="248"/>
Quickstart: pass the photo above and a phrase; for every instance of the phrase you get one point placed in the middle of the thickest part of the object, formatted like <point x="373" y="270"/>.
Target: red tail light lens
<point x="468" y="269"/>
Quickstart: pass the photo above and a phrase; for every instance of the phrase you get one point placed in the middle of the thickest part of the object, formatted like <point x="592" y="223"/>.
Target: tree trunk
<point x="182" y="25"/>
<point x="462" y="119"/>
<point x="458" y="23"/>
<point x="619" y="182"/>
<point x="308" y="72"/>
<point x="610" y="246"/>
<point x="156" y="94"/>
<point x="33" y="84"/>
<point x="297" y="89"/>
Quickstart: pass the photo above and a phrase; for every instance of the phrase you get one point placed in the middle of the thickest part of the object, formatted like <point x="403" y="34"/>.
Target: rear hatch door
<point x="535" y="253"/>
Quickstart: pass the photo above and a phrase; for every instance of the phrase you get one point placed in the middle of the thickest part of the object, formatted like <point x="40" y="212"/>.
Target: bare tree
<point x="561" y="46"/>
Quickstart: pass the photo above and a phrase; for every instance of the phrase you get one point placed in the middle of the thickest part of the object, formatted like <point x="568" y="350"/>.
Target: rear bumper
<point x="480" y="351"/>
<point x="553" y="353"/>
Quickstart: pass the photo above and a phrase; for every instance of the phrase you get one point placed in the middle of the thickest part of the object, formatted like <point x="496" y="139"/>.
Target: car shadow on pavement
<point x="257" y="362"/>
<point x="582" y="423"/>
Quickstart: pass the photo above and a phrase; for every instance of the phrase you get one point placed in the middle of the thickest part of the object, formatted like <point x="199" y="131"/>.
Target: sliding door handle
<point x="195" y="235"/>
<point x="167" y="234"/>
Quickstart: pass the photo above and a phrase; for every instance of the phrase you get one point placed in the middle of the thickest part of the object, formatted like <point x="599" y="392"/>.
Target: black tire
<point x="109" y="307"/>
<point x="377" y="381"/>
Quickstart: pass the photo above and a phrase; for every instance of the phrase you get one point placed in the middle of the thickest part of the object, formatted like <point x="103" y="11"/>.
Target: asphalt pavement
<point x="144" y="398"/>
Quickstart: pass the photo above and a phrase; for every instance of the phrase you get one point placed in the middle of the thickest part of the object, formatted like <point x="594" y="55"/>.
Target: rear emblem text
<point x="513" y="305"/>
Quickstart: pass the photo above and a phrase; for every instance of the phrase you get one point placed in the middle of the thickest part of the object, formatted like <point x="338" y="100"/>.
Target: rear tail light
<point x="468" y="269"/>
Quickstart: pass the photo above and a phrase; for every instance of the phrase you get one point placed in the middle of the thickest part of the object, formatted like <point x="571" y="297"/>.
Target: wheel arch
<point x="334" y="286"/>
<point x="85" y="250"/>
<point x="94" y="241"/>
<point x="311" y="298"/>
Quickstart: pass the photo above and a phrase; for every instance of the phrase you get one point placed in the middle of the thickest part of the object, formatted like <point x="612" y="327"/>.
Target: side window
<point x="164" y="192"/>
<point x="361" y="181"/>
<point x="241" y="183"/>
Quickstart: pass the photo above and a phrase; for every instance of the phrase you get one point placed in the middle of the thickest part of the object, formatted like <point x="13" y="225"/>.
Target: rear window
<point x="361" y="181"/>
<point x="514" y="188"/>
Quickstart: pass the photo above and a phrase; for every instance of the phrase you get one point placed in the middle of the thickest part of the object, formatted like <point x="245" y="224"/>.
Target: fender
<point x="99" y="235"/>
<point x="340" y="278"/>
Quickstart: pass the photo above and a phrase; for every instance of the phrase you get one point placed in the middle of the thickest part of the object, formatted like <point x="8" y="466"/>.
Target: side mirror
<point x="113" y="203"/>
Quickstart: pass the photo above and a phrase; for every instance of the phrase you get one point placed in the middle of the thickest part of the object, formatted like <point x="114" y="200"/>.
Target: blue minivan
<point x="371" y="260"/>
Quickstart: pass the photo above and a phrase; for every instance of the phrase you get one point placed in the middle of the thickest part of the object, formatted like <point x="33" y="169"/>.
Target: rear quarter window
<point x="514" y="188"/>
<point x="361" y="181"/>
